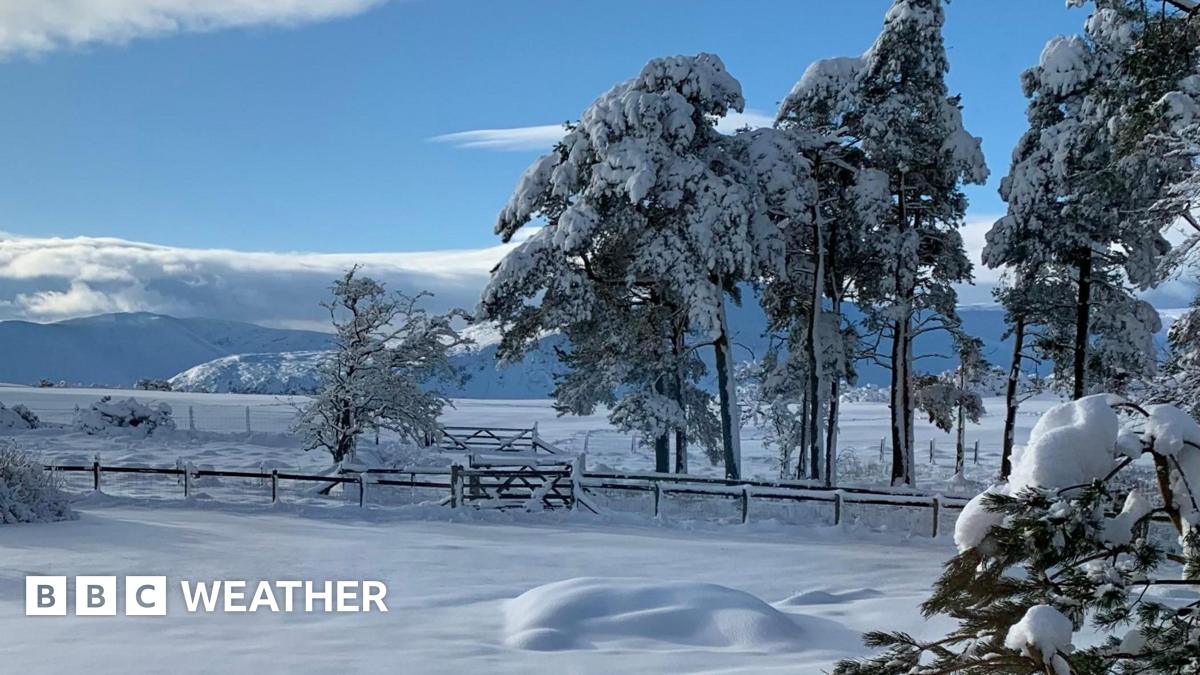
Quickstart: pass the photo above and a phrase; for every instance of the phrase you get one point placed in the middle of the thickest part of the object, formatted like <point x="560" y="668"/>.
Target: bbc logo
<point x="96" y="596"/>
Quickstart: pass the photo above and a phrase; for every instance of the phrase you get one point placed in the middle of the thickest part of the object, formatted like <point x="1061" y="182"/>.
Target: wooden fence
<point x="519" y="480"/>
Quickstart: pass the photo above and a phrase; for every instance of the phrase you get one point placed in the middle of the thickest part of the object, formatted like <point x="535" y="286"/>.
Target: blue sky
<point x="316" y="137"/>
<point x="228" y="158"/>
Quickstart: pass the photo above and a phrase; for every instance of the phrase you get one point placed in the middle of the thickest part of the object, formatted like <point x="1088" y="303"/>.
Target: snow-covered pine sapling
<point x="383" y="372"/>
<point x="1065" y="545"/>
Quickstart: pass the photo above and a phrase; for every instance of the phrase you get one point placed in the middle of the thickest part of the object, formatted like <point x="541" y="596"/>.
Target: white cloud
<point x="58" y="278"/>
<point x="544" y="136"/>
<point x="35" y="26"/>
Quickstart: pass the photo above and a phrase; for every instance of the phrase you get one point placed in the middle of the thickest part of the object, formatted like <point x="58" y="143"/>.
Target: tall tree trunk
<point x="960" y="445"/>
<point x="1083" y="308"/>
<point x="802" y="448"/>
<point x="662" y="443"/>
<point x="681" y="446"/>
<point x="816" y="374"/>
<point x="899" y="403"/>
<point x="910" y="445"/>
<point x="1010" y="398"/>
<point x="730" y="423"/>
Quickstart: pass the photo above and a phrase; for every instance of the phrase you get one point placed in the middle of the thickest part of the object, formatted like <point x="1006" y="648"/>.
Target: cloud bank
<point x="45" y="279"/>
<point x="38" y="26"/>
<point x="544" y="136"/>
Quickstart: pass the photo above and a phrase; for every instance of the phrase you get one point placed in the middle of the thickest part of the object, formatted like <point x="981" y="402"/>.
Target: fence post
<point x="976" y="450"/>
<point x="455" y="485"/>
<point x="881" y="451"/>
<point x="657" y="498"/>
<point x="745" y="504"/>
<point x="187" y="479"/>
<point x="362" y="489"/>
<point x="247" y="419"/>
<point x="837" y="508"/>
<point x="577" y="469"/>
<point x="937" y="514"/>
<point x="191" y="418"/>
<point x="96" y="474"/>
<point x="633" y="442"/>
<point x="274" y="485"/>
<point x="587" y="435"/>
<point x="932" y="444"/>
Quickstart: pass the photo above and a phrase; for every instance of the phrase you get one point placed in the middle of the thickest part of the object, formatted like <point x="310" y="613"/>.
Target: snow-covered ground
<point x="450" y="580"/>
<point x="221" y="440"/>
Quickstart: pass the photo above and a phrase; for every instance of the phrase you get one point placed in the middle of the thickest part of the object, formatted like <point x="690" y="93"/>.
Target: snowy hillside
<point x="296" y="373"/>
<point x="282" y="373"/>
<point x="118" y="349"/>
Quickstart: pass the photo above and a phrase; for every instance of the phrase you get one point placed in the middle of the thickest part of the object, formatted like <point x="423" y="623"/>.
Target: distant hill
<point x="119" y="349"/>
<point x="533" y="377"/>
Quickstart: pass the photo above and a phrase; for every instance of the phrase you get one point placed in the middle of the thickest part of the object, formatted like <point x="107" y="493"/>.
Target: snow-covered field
<point x="221" y="440"/>
<point x="450" y="579"/>
<point x="620" y="592"/>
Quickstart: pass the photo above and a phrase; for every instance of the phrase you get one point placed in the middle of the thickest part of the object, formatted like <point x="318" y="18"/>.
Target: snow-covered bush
<point x="152" y="384"/>
<point x="27" y="493"/>
<point x="107" y="414"/>
<point x="18" y="417"/>
<point x="1059" y="547"/>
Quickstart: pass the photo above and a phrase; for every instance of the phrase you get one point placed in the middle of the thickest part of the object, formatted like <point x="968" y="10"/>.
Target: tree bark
<point x="1010" y="398"/>
<point x="901" y="467"/>
<point x="816" y="375"/>
<point x="681" y="458"/>
<point x="730" y="424"/>
<point x="1082" y="319"/>
<point x="960" y="445"/>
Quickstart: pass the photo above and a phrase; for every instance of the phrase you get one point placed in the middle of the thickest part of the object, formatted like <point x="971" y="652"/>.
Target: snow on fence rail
<point x="455" y="481"/>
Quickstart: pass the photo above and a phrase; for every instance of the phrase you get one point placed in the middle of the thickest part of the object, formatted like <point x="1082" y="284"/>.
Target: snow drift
<point x="582" y="613"/>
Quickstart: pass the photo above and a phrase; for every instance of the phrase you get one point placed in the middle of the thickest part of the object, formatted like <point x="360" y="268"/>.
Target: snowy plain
<point x="775" y="595"/>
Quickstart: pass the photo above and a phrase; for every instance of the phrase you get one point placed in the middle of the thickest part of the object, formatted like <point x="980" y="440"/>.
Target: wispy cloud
<point x="36" y="26"/>
<point x="544" y="136"/>
<point x="58" y="278"/>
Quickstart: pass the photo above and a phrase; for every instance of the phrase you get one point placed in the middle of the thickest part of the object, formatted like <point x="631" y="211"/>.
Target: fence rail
<point x="457" y="482"/>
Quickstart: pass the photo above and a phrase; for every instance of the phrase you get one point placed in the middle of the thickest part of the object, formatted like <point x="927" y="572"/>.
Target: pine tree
<point x="1061" y="546"/>
<point x="646" y="208"/>
<point x="387" y="351"/>
<point x="892" y="103"/>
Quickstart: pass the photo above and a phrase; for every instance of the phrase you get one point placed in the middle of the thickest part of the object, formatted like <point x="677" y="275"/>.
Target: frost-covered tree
<point x="381" y="374"/>
<point x="1088" y="186"/>
<point x="644" y="205"/>
<point x="1179" y="382"/>
<point x="953" y="398"/>
<point x="28" y="493"/>
<point x="892" y="104"/>
<point x="1062" y="547"/>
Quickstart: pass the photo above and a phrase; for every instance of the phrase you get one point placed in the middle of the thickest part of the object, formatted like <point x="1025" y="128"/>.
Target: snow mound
<point x="280" y="374"/>
<point x="828" y="597"/>
<point x="107" y="414"/>
<point x="1042" y="633"/>
<point x="579" y="613"/>
<point x="18" y="417"/>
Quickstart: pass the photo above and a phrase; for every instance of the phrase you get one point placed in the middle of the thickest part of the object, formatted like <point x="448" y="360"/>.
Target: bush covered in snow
<point x="27" y="493"/>
<point x="1059" y="547"/>
<point x="107" y="414"/>
<point x="18" y="417"/>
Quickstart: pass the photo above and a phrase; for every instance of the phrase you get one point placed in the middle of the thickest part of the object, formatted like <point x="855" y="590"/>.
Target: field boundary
<point x="455" y="481"/>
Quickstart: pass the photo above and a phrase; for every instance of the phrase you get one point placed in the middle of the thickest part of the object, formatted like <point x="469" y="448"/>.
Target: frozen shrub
<point x="152" y="384"/>
<point x="27" y="493"/>
<point x="107" y="414"/>
<point x="18" y="417"/>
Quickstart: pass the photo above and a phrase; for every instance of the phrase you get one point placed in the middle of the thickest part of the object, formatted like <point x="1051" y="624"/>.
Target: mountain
<point x="533" y="377"/>
<point x="119" y="349"/>
<point x="282" y="373"/>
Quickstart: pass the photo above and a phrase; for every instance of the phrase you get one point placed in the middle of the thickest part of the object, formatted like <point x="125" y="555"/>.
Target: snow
<point x="281" y="373"/>
<point x="1042" y="633"/>
<point x="1118" y="530"/>
<point x="1072" y="444"/>
<point x="588" y="613"/>
<point x="976" y="520"/>
<point x="1065" y="65"/>
<point x="1169" y="428"/>
<point x="452" y="580"/>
